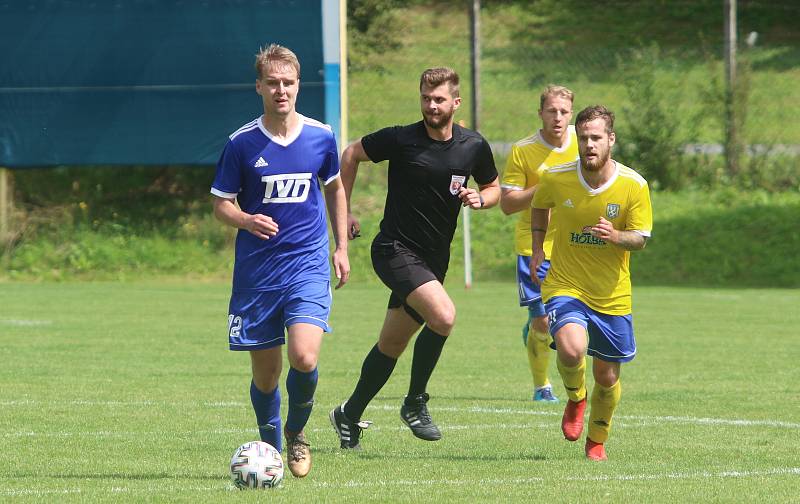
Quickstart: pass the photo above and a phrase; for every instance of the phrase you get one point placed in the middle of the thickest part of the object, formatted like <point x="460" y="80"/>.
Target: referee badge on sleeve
<point x="456" y="181"/>
<point x="612" y="210"/>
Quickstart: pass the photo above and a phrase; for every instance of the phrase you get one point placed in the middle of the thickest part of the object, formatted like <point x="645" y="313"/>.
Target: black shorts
<point x="403" y="270"/>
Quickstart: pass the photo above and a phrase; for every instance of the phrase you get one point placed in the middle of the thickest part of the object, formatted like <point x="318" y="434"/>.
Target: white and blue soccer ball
<point x="256" y="465"/>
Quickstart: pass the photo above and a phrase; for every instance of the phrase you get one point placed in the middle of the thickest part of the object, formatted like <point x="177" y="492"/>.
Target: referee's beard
<point x="438" y="121"/>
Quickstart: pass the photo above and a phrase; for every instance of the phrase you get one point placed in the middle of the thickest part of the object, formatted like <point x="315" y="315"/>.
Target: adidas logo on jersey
<point x="569" y="204"/>
<point x="260" y="163"/>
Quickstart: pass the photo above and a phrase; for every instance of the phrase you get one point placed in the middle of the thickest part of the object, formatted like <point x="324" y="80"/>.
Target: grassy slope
<point x="520" y="56"/>
<point x="515" y="66"/>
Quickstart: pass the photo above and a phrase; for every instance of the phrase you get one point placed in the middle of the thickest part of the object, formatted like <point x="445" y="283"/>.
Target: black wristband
<point x="541" y="230"/>
<point x="480" y="198"/>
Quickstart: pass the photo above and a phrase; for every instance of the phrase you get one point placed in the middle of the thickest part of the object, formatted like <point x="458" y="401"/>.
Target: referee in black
<point x="430" y="165"/>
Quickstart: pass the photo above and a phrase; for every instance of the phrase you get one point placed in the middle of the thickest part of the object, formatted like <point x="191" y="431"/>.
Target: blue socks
<point x="268" y="415"/>
<point x="300" y="388"/>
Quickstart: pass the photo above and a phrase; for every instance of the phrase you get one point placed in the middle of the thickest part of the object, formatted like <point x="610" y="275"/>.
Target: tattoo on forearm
<point x="631" y="240"/>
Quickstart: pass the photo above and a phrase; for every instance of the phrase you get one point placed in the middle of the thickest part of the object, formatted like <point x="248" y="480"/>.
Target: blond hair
<point x="553" y="90"/>
<point x="275" y="53"/>
<point x="435" y="77"/>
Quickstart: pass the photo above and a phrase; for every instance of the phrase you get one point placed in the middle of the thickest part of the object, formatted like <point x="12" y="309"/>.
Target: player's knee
<point x="443" y="320"/>
<point x="570" y="356"/>
<point x="266" y="379"/>
<point x="605" y="374"/>
<point x="304" y="363"/>
<point x="392" y="347"/>
<point x="607" y="381"/>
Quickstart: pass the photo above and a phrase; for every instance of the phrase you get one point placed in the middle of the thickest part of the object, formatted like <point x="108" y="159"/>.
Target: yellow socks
<point x="604" y="402"/>
<point x="539" y="357"/>
<point x="574" y="379"/>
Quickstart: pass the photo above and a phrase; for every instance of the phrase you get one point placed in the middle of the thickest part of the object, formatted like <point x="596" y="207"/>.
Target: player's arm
<point x="228" y="212"/>
<point x="516" y="200"/>
<point x="628" y="240"/>
<point x="516" y="196"/>
<point x="351" y="157"/>
<point x="540" y="219"/>
<point x="336" y="202"/>
<point x="485" y="175"/>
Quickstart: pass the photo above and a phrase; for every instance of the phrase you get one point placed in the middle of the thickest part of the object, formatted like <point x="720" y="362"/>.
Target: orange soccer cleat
<point x="572" y="421"/>
<point x="595" y="451"/>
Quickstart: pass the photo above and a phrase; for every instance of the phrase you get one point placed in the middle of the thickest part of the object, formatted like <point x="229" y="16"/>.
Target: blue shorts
<point x="610" y="336"/>
<point x="257" y="319"/>
<point x="530" y="294"/>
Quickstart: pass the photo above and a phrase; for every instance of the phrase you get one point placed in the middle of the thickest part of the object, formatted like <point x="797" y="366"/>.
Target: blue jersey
<point x="280" y="179"/>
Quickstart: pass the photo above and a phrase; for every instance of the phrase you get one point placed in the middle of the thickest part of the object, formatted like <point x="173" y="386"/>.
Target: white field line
<point x="501" y="482"/>
<point x="43" y="492"/>
<point x="621" y="420"/>
<point x="25" y="322"/>
<point x="632" y="418"/>
<point x="253" y="430"/>
<point x="39" y="492"/>
<point x="34" y="402"/>
<point x="778" y="471"/>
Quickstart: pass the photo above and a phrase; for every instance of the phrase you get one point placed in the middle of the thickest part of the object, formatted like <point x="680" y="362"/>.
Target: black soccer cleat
<point x="349" y="432"/>
<point x="416" y="416"/>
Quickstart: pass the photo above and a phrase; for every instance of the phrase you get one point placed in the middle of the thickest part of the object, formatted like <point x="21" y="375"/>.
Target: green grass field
<point x="127" y="393"/>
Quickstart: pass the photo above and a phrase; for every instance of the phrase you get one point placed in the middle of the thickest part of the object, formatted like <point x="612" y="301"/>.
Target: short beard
<point x="442" y="120"/>
<point x="595" y="165"/>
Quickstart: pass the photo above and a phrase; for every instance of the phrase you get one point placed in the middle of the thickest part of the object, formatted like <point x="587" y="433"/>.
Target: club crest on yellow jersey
<point x="612" y="210"/>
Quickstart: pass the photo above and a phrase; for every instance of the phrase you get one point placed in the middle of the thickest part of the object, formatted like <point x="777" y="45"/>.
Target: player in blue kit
<point x="272" y="168"/>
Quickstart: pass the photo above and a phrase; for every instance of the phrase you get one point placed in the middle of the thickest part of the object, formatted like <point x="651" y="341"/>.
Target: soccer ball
<point x="256" y="465"/>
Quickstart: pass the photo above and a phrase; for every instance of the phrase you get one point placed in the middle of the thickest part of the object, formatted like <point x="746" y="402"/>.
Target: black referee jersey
<point x="425" y="175"/>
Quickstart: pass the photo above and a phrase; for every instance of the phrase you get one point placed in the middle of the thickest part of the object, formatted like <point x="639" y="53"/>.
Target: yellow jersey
<point x="529" y="158"/>
<point x="583" y="266"/>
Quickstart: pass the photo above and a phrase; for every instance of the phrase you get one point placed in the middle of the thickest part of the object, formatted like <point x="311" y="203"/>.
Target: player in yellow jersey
<point x="553" y="145"/>
<point x="601" y="212"/>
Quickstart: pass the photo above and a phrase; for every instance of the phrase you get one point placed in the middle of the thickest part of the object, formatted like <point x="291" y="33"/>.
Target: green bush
<point x="721" y="237"/>
<point x="724" y="238"/>
<point x="653" y="135"/>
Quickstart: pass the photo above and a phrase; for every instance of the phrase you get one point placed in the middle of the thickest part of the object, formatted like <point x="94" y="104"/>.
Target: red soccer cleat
<point x="595" y="451"/>
<point x="572" y="421"/>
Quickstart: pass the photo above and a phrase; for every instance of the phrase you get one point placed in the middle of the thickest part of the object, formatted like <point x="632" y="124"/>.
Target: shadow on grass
<point x="399" y="455"/>
<point x="440" y="400"/>
<point x="368" y="453"/>
<point x="505" y="400"/>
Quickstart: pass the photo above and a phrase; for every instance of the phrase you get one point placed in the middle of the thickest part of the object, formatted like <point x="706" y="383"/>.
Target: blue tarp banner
<point x="142" y="81"/>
